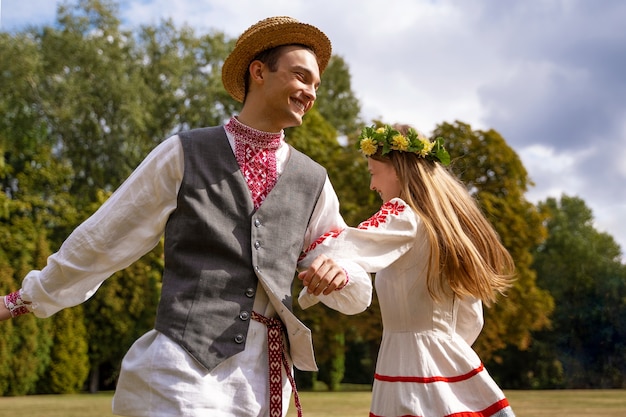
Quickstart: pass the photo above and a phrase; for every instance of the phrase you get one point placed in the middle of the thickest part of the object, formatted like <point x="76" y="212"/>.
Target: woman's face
<point x="384" y="179"/>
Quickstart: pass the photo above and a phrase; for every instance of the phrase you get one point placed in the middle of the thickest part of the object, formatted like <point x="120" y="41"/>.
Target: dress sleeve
<point x="127" y="226"/>
<point x="371" y="246"/>
<point x="470" y="319"/>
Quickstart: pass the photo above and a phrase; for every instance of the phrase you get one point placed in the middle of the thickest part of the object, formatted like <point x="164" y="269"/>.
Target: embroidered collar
<point x="253" y="137"/>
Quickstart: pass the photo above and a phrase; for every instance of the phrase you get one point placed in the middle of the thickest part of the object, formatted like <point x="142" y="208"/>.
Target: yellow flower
<point x="427" y="146"/>
<point x="399" y="143"/>
<point x="380" y="130"/>
<point x="369" y="146"/>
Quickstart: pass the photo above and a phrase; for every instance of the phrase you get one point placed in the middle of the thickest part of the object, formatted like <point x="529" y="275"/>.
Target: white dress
<point x="158" y="377"/>
<point x="426" y="366"/>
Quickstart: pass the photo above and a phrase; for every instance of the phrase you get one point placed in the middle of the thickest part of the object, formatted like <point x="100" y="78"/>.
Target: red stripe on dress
<point x="406" y="415"/>
<point x="429" y="379"/>
<point x="487" y="412"/>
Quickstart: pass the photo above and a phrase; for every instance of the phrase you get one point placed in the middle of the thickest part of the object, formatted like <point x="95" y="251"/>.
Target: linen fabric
<point x="426" y="366"/>
<point x="158" y="377"/>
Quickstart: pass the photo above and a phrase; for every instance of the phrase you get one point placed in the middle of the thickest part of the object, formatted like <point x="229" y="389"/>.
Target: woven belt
<point x="276" y="360"/>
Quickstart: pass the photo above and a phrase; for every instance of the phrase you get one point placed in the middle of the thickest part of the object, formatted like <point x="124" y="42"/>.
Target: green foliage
<point x="108" y="96"/>
<point x="385" y="138"/>
<point x="69" y="363"/>
<point x="25" y="341"/>
<point x="92" y="96"/>
<point x="182" y="75"/>
<point x="316" y="138"/>
<point x="582" y="269"/>
<point x="336" y="101"/>
<point x="332" y="374"/>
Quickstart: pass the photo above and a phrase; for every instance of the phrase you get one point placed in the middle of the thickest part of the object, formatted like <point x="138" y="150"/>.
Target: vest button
<point x="257" y="244"/>
<point x="239" y="339"/>
<point x="244" y="315"/>
<point x="250" y="292"/>
<point x="257" y="222"/>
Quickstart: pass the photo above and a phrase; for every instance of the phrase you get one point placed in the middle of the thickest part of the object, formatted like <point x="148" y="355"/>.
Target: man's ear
<point x="256" y="71"/>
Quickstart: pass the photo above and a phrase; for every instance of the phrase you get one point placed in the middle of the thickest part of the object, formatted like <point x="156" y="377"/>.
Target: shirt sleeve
<point x="127" y="226"/>
<point x="371" y="246"/>
<point x="355" y="297"/>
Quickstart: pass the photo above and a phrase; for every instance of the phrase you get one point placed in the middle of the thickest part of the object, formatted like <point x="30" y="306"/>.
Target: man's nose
<point x="310" y="92"/>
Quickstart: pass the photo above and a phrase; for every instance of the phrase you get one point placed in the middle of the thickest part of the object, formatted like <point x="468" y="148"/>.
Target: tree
<point x="182" y="74"/>
<point x="582" y="269"/>
<point x="34" y="205"/>
<point x="69" y="364"/>
<point x="92" y="96"/>
<point x="336" y="101"/>
<point x="24" y="342"/>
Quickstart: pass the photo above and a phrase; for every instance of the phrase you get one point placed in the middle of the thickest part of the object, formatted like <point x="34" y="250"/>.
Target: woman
<point x="436" y="259"/>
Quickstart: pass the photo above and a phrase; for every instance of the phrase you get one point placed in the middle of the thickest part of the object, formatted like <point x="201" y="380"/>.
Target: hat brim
<point x="267" y="34"/>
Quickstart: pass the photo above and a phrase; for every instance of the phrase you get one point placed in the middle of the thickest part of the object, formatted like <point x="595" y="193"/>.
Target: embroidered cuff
<point x="15" y="304"/>
<point x="342" y="286"/>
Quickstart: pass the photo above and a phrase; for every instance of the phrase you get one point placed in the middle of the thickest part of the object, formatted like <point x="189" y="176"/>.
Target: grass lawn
<point x="566" y="403"/>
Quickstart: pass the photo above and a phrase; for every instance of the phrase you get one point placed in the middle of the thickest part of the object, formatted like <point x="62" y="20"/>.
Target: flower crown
<point x="373" y="137"/>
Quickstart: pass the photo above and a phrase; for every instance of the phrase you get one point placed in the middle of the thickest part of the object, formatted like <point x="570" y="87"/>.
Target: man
<point x="236" y="205"/>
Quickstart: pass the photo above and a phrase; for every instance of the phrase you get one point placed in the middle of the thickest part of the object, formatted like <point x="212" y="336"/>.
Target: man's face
<point x="290" y="91"/>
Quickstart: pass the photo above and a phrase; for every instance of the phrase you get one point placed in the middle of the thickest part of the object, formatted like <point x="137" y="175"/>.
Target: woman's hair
<point x="466" y="254"/>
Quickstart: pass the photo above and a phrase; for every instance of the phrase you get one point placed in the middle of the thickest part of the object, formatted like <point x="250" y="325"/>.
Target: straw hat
<point x="266" y="34"/>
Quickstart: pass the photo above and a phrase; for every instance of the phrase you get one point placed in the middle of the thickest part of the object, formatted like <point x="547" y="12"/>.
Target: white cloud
<point x="555" y="172"/>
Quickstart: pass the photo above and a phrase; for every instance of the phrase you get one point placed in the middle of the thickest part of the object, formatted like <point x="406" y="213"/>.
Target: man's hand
<point x="5" y="314"/>
<point x="323" y="276"/>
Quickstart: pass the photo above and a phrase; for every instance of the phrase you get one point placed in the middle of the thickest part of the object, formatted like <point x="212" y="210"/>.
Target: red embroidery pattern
<point x="259" y="170"/>
<point x="380" y="217"/>
<point x="256" y="155"/>
<point x="319" y="240"/>
<point x="276" y="360"/>
<point x="15" y="304"/>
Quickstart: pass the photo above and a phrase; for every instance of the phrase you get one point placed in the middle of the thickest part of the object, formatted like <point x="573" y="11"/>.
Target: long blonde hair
<point x="466" y="254"/>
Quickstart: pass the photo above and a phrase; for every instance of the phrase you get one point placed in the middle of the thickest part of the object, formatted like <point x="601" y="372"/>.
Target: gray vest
<point x="216" y="244"/>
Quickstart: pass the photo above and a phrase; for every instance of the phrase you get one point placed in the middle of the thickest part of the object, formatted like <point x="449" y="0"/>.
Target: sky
<point x="548" y="75"/>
